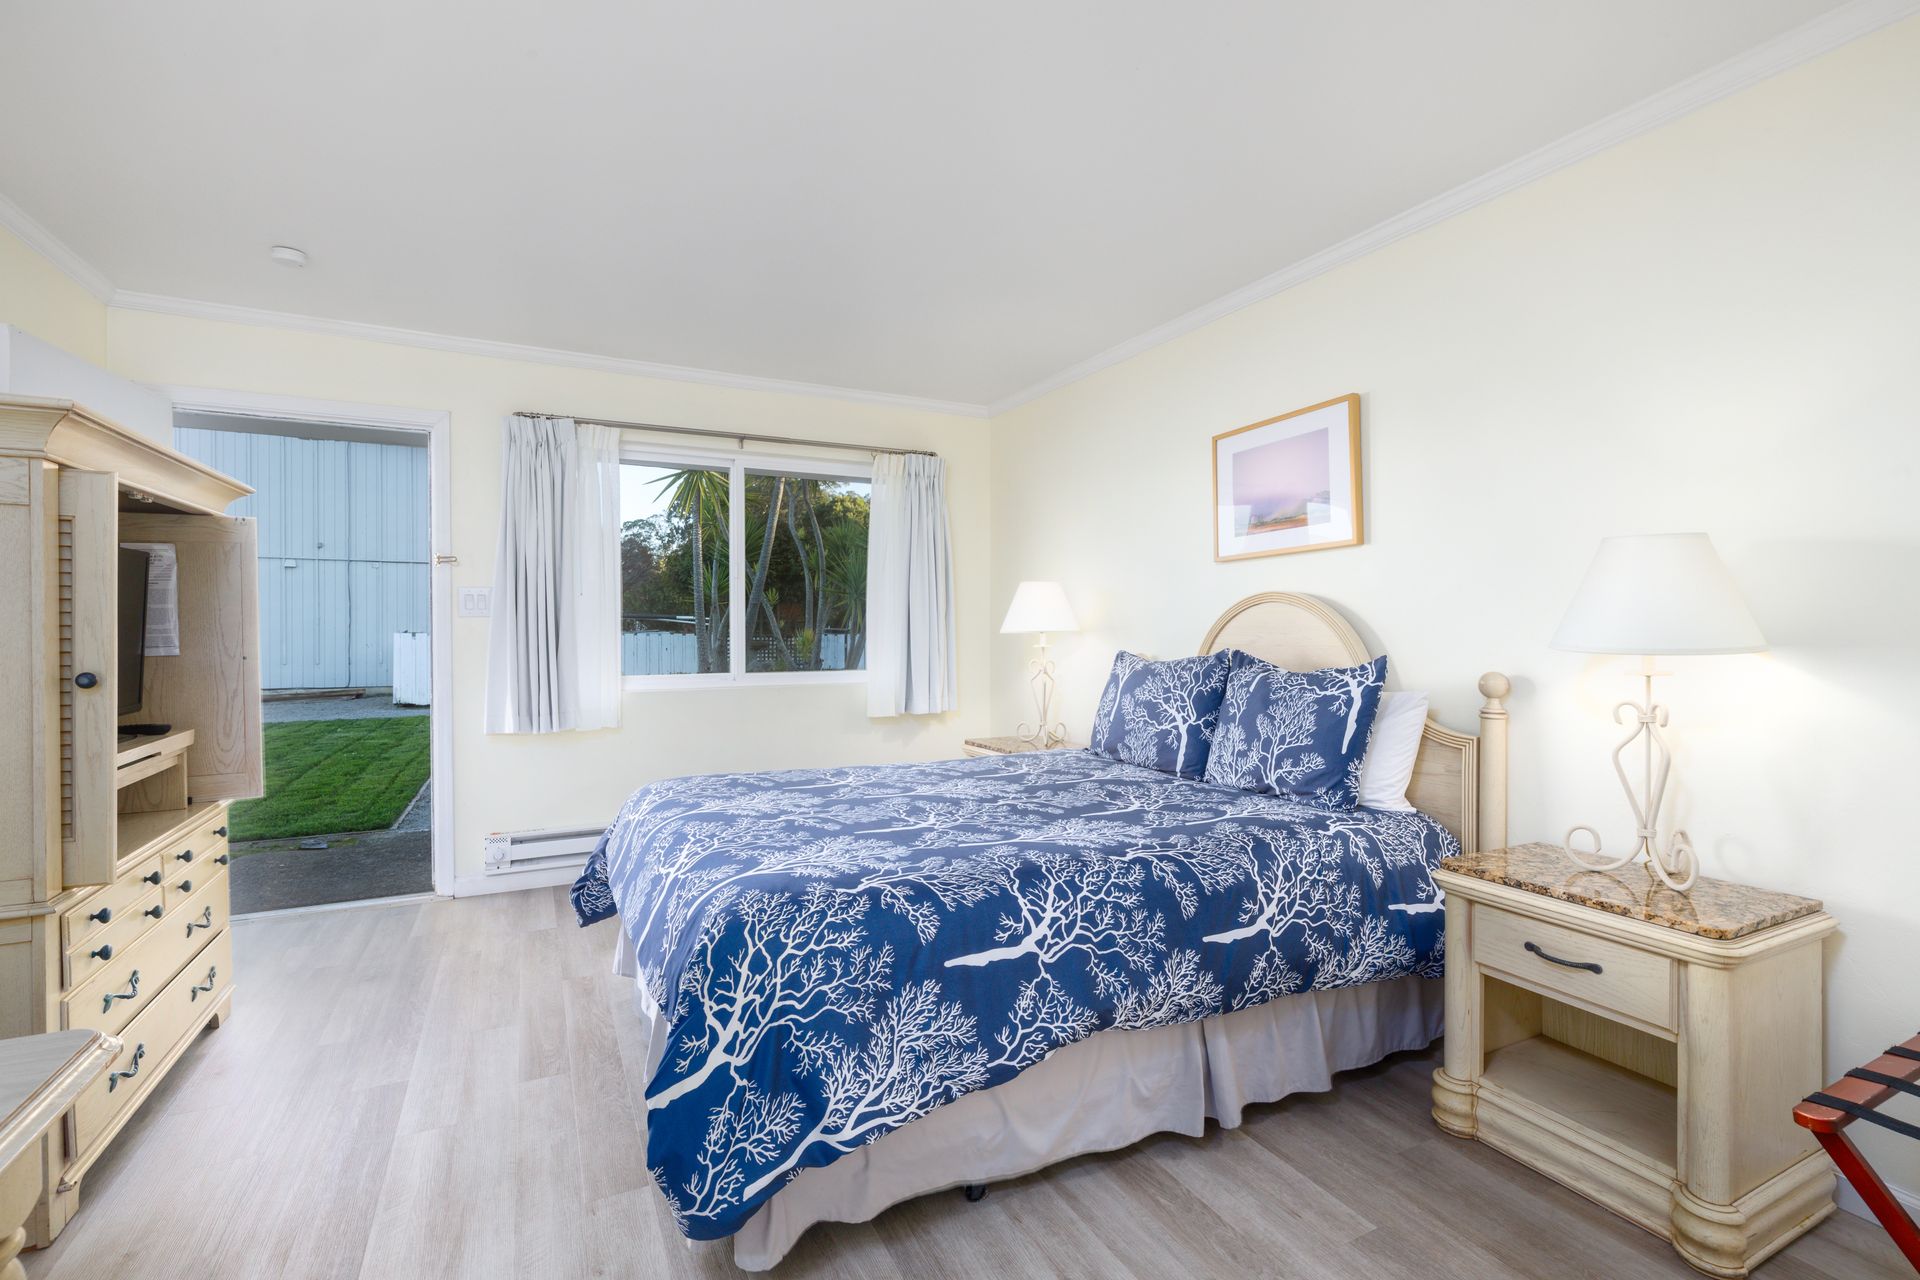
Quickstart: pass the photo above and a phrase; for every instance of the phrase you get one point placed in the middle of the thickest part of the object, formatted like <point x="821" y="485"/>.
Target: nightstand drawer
<point x="1592" y="971"/>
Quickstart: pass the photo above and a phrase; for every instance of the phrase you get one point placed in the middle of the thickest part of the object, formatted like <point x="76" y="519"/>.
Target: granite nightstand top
<point x="1711" y="909"/>
<point x="1009" y="745"/>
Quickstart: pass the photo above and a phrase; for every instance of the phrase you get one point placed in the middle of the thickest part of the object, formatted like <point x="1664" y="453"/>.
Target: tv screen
<point x="133" y="628"/>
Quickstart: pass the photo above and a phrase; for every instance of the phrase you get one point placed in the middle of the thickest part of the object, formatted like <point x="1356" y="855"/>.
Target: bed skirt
<point x="1105" y="1092"/>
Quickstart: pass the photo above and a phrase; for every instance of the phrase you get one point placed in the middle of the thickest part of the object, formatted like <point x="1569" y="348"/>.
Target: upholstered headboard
<point x="1458" y="778"/>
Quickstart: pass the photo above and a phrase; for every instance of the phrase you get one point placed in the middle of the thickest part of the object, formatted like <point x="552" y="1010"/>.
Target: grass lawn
<point x="325" y="776"/>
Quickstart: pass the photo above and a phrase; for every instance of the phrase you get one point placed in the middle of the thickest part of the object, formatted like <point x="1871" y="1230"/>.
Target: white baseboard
<point x="1849" y="1199"/>
<point x="511" y="881"/>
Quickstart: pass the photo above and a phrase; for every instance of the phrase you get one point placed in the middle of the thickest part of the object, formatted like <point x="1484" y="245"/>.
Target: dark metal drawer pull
<point x="193" y="993"/>
<point x="186" y="886"/>
<point x="185" y="855"/>
<point x="103" y="915"/>
<point x="152" y="877"/>
<point x="104" y="952"/>
<point x="133" y="989"/>
<point x="204" y="922"/>
<point x="155" y="911"/>
<point x="1588" y="965"/>
<point x="114" y="1078"/>
<point x="222" y="859"/>
<point x="221" y="832"/>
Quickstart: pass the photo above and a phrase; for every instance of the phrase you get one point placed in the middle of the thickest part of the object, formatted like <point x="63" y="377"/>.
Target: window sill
<point x="751" y="680"/>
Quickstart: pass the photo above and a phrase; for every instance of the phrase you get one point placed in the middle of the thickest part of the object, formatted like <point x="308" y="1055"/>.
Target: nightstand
<point x="1643" y="1047"/>
<point x="1009" y="746"/>
<point x="41" y="1076"/>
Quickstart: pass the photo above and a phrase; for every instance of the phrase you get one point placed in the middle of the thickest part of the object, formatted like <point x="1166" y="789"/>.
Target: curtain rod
<point x="741" y="436"/>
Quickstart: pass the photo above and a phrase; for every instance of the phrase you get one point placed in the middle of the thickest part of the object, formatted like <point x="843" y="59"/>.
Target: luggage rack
<point x="1858" y="1096"/>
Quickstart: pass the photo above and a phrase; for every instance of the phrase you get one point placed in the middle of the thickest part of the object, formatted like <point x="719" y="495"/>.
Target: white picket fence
<point x="659" y="653"/>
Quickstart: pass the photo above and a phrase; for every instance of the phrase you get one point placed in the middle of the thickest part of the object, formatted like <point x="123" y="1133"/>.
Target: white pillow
<point x="1388" y="767"/>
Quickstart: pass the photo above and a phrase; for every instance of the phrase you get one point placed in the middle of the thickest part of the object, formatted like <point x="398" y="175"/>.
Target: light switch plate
<point x="476" y="602"/>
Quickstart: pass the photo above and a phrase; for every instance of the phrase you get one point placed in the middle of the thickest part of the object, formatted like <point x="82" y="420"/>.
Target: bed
<point x="866" y="984"/>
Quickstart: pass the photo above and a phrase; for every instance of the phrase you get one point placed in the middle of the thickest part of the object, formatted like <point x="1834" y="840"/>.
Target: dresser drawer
<point x="194" y="884"/>
<point x="199" y="853"/>
<point x="1592" y="971"/>
<point x="108" y="940"/>
<point x="201" y="913"/>
<point x="134" y="976"/>
<point x="150" y="1039"/>
<point x="81" y="923"/>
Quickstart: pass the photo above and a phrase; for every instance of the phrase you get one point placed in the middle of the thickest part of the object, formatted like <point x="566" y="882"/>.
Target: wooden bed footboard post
<point x="1493" y="760"/>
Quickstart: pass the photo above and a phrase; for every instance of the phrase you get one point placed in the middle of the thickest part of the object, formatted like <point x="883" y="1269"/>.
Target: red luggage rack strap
<point x="1856" y="1096"/>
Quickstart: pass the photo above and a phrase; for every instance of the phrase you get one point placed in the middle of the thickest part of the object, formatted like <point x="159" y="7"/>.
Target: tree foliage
<point x="806" y="569"/>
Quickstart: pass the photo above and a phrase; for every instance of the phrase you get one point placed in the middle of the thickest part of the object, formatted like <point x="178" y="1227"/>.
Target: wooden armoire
<point x="113" y="848"/>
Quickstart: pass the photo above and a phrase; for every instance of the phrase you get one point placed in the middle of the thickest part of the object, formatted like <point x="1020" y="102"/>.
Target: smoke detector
<point x="288" y="256"/>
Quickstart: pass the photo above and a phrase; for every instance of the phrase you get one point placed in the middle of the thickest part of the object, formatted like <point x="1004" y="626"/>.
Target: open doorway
<point x="348" y="593"/>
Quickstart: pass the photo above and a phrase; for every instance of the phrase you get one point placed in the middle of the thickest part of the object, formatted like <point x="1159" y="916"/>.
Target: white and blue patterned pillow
<point x="1299" y="733"/>
<point x="1161" y="714"/>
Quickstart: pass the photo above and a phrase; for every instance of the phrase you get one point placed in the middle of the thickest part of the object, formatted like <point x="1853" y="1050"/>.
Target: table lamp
<point x="1039" y="608"/>
<point x="1654" y="594"/>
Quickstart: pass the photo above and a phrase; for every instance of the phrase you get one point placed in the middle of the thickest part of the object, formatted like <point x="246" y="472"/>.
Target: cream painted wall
<point x="1716" y="326"/>
<point x="517" y="783"/>
<point x="46" y="302"/>
<point x="512" y="783"/>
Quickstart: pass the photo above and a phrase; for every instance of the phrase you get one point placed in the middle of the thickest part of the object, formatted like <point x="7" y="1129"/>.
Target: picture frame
<point x="1289" y="483"/>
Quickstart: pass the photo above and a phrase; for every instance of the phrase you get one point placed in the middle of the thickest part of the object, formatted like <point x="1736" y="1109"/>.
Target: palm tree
<point x="699" y="496"/>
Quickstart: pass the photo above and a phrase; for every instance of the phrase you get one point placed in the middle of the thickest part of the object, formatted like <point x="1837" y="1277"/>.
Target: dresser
<point x="1642" y="1047"/>
<point x="113" y="882"/>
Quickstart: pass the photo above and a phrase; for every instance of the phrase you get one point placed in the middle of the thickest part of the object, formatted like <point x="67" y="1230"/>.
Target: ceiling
<point x="952" y="201"/>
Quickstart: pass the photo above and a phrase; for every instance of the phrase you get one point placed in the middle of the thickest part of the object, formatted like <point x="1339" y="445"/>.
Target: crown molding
<point x="54" y="249"/>
<point x="1802" y="44"/>
<point x="227" y="313"/>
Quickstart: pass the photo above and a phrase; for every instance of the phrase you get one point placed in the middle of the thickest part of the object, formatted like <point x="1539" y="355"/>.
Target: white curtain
<point x="553" y="653"/>
<point x="910" y="624"/>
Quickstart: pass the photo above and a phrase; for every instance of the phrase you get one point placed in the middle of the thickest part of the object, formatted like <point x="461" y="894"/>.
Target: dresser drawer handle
<point x="103" y="952"/>
<point x="155" y="911"/>
<point x="114" y="1078"/>
<point x="133" y="989"/>
<point x="152" y="877"/>
<point x="223" y="859"/>
<point x="185" y="855"/>
<point x="193" y="993"/>
<point x="204" y="922"/>
<point x="101" y="916"/>
<point x="1588" y="965"/>
<point x="221" y="832"/>
<point x="186" y="886"/>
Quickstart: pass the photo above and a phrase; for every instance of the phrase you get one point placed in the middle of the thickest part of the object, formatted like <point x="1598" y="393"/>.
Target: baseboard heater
<point x="533" y="850"/>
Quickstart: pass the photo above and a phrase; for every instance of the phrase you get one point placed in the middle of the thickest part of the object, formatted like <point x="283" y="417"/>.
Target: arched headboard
<point x="1458" y="778"/>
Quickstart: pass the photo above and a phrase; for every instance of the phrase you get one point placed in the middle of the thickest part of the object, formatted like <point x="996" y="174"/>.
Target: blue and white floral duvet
<point x="836" y="952"/>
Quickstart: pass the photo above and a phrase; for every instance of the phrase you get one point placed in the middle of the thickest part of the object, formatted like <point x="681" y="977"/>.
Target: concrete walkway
<point x="274" y="875"/>
<point x="375" y="704"/>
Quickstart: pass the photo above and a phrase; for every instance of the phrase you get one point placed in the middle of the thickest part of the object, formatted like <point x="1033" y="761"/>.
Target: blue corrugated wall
<point x="343" y="550"/>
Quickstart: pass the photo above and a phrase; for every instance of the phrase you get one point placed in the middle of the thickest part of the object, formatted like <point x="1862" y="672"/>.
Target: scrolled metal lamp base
<point x="1673" y="861"/>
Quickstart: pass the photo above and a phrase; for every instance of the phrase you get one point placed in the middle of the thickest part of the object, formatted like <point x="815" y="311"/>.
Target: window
<point x="673" y="569"/>
<point x="787" y="541"/>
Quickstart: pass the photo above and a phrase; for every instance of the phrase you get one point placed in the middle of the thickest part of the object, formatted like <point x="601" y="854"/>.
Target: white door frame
<point x="437" y="424"/>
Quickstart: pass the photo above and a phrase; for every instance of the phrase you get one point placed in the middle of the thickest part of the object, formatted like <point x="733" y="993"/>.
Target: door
<point x="89" y="658"/>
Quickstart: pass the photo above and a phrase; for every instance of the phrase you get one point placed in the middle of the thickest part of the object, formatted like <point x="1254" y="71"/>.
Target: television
<point x="133" y="629"/>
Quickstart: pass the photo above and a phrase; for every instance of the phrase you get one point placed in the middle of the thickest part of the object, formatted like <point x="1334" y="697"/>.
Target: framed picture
<point x="1290" y="483"/>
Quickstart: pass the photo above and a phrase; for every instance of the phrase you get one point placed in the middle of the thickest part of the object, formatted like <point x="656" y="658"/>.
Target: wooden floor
<point x="452" y="1088"/>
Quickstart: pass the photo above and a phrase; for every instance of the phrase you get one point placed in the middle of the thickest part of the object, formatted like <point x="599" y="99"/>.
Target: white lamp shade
<point x="1039" y="606"/>
<point x="1658" y="593"/>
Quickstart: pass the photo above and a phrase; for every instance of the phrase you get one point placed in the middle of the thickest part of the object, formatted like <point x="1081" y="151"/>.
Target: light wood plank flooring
<point x="452" y="1088"/>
